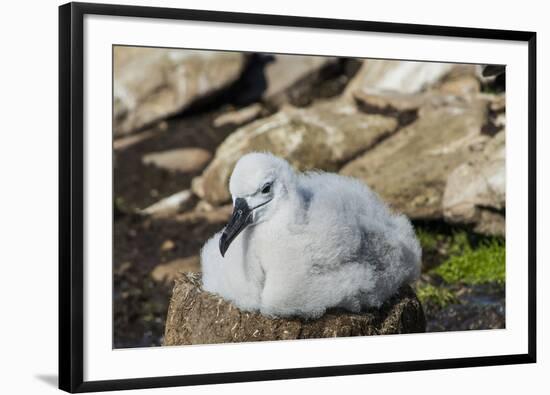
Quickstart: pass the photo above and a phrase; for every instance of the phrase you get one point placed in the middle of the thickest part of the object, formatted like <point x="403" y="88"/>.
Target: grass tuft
<point x="480" y="265"/>
<point x="428" y="240"/>
<point x="438" y="296"/>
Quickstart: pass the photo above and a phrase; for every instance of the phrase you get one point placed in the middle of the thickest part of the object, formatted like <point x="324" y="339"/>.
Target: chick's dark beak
<point x="241" y="217"/>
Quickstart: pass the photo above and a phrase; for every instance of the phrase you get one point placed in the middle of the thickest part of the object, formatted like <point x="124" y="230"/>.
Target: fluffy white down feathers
<point x="310" y="242"/>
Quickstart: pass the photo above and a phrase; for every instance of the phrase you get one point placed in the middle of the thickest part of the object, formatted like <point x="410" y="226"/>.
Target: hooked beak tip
<point x="223" y="244"/>
<point x="239" y="220"/>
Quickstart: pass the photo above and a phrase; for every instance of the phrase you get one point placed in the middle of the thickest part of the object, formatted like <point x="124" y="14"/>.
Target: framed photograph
<point x="251" y="197"/>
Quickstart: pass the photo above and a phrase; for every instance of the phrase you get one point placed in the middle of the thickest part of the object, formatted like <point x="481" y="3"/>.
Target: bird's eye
<point x="266" y="188"/>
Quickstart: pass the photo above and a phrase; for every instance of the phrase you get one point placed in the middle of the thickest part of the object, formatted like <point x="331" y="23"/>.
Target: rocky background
<point x="428" y="137"/>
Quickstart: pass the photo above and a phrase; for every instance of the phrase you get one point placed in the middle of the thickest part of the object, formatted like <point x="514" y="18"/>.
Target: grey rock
<point x="239" y="117"/>
<point x="166" y="273"/>
<point x="323" y="136"/>
<point x="184" y="160"/>
<point x="410" y="168"/>
<point x="153" y="83"/>
<point x="475" y="192"/>
<point x="201" y="214"/>
<point x="391" y="102"/>
<point x="285" y="71"/>
<point x="197" y="186"/>
<point x="498" y="103"/>
<point x="169" y="205"/>
<point x="461" y="86"/>
<point x="125" y="142"/>
<point x="406" y="77"/>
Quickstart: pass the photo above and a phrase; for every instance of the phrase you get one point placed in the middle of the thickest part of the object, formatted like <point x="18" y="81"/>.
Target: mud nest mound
<point x="199" y="317"/>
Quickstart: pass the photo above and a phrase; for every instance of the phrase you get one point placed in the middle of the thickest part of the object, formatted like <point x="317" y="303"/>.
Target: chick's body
<point x="325" y="241"/>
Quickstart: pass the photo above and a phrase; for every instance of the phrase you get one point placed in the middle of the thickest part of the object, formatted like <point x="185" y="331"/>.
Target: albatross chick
<point x="298" y="244"/>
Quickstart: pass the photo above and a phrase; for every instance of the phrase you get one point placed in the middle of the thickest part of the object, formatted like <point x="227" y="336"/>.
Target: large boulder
<point x="153" y="83"/>
<point x="410" y="168"/>
<point x="323" y="136"/>
<point x="286" y="71"/>
<point x="198" y="317"/>
<point x="379" y="76"/>
<point x="476" y="190"/>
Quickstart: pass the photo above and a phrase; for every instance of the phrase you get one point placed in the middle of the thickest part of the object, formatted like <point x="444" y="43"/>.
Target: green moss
<point x="447" y="243"/>
<point x="438" y="296"/>
<point x="428" y="240"/>
<point x="458" y="243"/>
<point x="475" y="265"/>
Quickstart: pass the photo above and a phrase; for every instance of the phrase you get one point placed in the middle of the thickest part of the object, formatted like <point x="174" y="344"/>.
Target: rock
<point x="389" y="102"/>
<point x="376" y="76"/>
<point x="199" y="317"/>
<point x="153" y="83"/>
<point x="323" y="136"/>
<point x="405" y="107"/>
<point x="490" y="222"/>
<point x="410" y="168"/>
<point x="498" y="103"/>
<point x="122" y="143"/>
<point x="197" y="186"/>
<point x="204" y="206"/>
<point x="285" y="71"/>
<point x="167" y="245"/>
<point x="497" y="114"/>
<point x="123" y="268"/>
<point x="168" y="206"/>
<point x="183" y="160"/>
<point x="476" y="190"/>
<point x="167" y="272"/>
<point x="463" y="86"/>
<point x="239" y="117"/>
<point x="217" y="215"/>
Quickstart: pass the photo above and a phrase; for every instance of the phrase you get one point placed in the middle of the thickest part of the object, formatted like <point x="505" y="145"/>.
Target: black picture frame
<point x="71" y="198"/>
